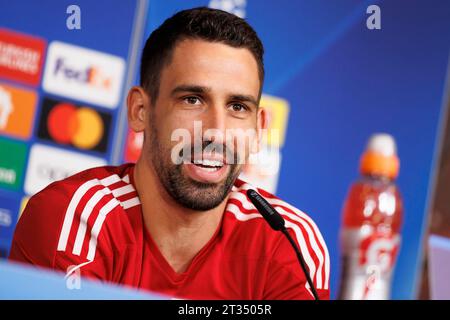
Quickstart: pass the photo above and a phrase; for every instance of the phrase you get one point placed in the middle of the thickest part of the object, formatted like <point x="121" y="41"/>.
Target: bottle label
<point x="369" y="257"/>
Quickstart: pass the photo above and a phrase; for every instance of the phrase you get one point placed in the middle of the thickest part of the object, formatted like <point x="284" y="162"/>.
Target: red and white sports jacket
<point x="92" y="222"/>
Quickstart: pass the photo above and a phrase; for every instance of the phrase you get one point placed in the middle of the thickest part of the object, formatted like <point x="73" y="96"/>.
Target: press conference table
<point x="26" y="282"/>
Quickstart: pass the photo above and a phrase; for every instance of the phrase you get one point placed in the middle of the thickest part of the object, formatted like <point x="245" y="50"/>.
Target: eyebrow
<point x="203" y="89"/>
<point x="190" y="88"/>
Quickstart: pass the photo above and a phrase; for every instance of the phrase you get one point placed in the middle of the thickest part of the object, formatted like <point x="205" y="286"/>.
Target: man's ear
<point x="261" y="124"/>
<point x="138" y="104"/>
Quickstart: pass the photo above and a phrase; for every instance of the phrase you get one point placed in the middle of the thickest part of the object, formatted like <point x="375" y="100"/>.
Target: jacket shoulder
<point x="300" y="226"/>
<point x="61" y="211"/>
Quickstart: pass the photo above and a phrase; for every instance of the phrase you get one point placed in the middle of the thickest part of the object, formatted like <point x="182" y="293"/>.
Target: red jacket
<point x="92" y="223"/>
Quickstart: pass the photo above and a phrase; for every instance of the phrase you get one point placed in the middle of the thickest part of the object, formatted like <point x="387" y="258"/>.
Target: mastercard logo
<point x="67" y="124"/>
<point x="83" y="127"/>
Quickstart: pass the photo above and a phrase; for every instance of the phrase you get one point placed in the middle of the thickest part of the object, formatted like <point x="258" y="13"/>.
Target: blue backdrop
<point x="345" y="82"/>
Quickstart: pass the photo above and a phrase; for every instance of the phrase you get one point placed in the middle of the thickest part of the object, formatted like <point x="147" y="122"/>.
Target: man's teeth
<point x="209" y="163"/>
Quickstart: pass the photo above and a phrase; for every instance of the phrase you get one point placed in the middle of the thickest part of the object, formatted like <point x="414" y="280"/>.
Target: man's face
<point x="207" y="100"/>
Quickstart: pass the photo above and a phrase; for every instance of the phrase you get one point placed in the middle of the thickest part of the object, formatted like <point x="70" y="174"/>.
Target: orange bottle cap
<point x="380" y="157"/>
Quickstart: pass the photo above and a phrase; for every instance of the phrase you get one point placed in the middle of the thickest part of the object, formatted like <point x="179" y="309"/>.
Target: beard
<point x="189" y="193"/>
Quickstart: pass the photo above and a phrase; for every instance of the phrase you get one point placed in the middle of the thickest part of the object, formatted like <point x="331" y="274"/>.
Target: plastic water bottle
<point x="371" y="222"/>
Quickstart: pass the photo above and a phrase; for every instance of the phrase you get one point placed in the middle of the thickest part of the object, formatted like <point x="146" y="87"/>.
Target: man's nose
<point x="214" y="123"/>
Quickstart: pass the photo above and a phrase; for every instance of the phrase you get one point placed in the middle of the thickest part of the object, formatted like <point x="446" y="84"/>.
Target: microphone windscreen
<point x="268" y="212"/>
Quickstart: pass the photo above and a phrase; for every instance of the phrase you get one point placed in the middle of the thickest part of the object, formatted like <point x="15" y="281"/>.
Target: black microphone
<point x="276" y="222"/>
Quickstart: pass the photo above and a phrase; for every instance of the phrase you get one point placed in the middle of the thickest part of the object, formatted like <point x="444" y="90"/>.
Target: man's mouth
<point x="209" y="165"/>
<point x="207" y="168"/>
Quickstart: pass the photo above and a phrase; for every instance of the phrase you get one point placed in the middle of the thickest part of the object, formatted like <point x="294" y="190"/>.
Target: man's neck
<point x="179" y="233"/>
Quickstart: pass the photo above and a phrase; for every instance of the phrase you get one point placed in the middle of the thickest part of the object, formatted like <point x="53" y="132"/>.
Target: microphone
<point x="277" y="223"/>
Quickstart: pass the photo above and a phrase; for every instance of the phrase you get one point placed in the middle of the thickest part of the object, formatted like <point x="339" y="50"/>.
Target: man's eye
<point x="237" y="107"/>
<point x="192" y="100"/>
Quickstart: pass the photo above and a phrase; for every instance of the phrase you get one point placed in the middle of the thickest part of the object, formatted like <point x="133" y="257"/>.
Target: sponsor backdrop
<point x="330" y="84"/>
<point x="61" y="92"/>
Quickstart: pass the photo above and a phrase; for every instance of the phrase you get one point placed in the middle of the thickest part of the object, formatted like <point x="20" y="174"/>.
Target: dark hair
<point x="197" y="23"/>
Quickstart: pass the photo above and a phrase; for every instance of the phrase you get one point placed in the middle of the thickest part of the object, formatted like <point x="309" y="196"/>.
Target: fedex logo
<point x="91" y="75"/>
<point x="84" y="74"/>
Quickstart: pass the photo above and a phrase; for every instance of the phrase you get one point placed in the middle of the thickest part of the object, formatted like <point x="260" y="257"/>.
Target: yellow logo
<point x="277" y="110"/>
